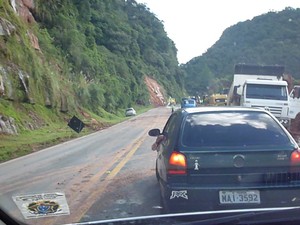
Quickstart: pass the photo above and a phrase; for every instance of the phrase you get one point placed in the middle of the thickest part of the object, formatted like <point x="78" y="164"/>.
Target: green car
<point x="217" y="158"/>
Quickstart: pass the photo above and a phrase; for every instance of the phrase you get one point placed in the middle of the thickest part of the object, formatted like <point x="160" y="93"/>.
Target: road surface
<point x="108" y="174"/>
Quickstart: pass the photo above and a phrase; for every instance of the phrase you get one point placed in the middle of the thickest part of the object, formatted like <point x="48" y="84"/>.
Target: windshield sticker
<point x="42" y="205"/>
<point x="179" y="194"/>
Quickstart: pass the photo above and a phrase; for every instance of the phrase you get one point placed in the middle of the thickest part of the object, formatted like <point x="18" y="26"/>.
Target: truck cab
<point x="261" y="87"/>
<point x="267" y="94"/>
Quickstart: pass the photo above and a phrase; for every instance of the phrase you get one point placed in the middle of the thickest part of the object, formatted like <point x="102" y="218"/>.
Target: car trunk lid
<point x="245" y="166"/>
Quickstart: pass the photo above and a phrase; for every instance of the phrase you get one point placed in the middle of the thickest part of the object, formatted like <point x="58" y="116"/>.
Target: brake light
<point x="295" y="158"/>
<point x="177" y="163"/>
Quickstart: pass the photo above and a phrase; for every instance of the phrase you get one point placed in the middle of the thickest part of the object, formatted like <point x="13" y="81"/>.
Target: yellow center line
<point x="117" y="169"/>
<point x="96" y="194"/>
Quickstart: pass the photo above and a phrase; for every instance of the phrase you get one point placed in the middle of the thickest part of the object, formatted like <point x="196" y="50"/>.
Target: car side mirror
<point x="154" y="132"/>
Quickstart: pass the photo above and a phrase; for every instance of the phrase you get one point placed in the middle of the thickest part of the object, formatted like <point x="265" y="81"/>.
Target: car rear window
<point x="234" y="129"/>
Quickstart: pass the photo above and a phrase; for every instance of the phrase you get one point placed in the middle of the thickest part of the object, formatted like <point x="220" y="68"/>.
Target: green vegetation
<point x="44" y="128"/>
<point x="268" y="39"/>
<point x="92" y="61"/>
<point x="94" y="55"/>
<point x="12" y="146"/>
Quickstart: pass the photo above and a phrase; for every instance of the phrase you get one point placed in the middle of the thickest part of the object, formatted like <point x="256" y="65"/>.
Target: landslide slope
<point x="85" y="58"/>
<point x="90" y="55"/>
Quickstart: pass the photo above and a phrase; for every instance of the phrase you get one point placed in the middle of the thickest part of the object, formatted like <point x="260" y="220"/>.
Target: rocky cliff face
<point x="9" y="73"/>
<point x="7" y="28"/>
<point x="7" y="125"/>
<point x="155" y="91"/>
<point x="22" y="8"/>
<point x="24" y="82"/>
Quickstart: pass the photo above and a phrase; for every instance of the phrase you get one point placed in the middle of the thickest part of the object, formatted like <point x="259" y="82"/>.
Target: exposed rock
<point x="64" y="104"/>
<point x="48" y="103"/>
<point x="31" y="101"/>
<point x="93" y="123"/>
<point x="13" y="5"/>
<point x="24" y="79"/>
<point x="85" y="114"/>
<point x="22" y="8"/>
<point x="8" y="88"/>
<point x="2" y="90"/>
<point x="6" y="27"/>
<point x="7" y="85"/>
<point x="35" y="122"/>
<point x="34" y="40"/>
<point x="28" y="3"/>
<point x="156" y="92"/>
<point x="7" y="125"/>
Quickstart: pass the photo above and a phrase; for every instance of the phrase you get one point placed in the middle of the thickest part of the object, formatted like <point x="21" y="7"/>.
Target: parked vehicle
<point x="130" y="112"/>
<point x="261" y="87"/>
<point x="218" y="100"/>
<point x="188" y="103"/>
<point x="217" y="158"/>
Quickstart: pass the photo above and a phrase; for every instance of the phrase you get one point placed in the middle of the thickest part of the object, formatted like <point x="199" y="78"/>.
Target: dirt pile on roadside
<point x="156" y="92"/>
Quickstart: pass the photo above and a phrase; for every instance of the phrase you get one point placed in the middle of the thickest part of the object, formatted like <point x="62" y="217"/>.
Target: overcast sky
<point x="195" y="25"/>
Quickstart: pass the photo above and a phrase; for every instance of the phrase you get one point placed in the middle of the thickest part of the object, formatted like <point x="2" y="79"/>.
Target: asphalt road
<point x="108" y="174"/>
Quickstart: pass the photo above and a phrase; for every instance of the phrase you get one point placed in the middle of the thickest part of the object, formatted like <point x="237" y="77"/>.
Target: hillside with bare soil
<point x="156" y="92"/>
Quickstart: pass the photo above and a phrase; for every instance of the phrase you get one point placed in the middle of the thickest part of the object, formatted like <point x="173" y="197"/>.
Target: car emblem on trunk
<point x="282" y="156"/>
<point x="196" y="165"/>
<point x="239" y="177"/>
<point x="179" y="194"/>
<point x="238" y="161"/>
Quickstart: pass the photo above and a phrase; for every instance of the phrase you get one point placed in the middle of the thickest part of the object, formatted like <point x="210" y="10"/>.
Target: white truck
<point x="294" y="102"/>
<point x="261" y="87"/>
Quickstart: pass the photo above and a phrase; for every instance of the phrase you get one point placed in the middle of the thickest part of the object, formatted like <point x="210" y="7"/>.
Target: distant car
<point x="130" y="112"/>
<point x="218" y="100"/>
<point x="188" y="103"/>
<point x="216" y="158"/>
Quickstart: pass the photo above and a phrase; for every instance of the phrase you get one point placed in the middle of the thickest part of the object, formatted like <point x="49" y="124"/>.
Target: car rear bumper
<point x="180" y="198"/>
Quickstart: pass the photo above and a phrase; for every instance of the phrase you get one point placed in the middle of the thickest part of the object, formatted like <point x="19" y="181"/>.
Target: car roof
<point x="221" y="109"/>
<point x="188" y="99"/>
<point x="267" y="82"/>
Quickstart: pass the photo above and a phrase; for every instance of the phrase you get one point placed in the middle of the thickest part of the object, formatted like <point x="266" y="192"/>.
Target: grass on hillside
<point x="14" y="146"/>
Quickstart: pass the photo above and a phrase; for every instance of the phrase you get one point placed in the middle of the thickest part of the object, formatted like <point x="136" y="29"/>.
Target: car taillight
<point x="295" y="158"/>
<point x="177" y="163"/>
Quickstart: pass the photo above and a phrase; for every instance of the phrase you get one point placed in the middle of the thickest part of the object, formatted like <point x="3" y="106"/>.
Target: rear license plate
<point x="239" y="197"/>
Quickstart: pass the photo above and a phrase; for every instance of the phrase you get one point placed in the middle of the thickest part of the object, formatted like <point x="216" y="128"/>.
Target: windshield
<point x="220" y="100"/>
<point x="259" y="91"/>
<point x="207" y="130"/>
<point x="106" y="111"/>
